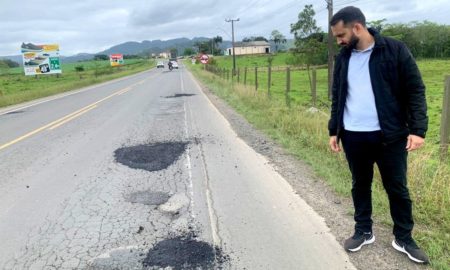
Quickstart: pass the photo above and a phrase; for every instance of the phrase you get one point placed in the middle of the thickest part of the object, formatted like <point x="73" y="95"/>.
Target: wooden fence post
<point x="256" y="78"/>
<point x="445" y="120"/>
<point x="314" y="87"/>
<point x="269" y="79"/>
<point x="245" y="76"/>
<point x="238" y="74"/>
<point x="288" y="86"/>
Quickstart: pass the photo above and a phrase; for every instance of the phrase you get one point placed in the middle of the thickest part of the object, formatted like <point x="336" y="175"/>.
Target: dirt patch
<point x="180" y="95"/>
<point x="147" y="197"/>
<point x="184" y="253"/>
<point x="150" y="157"/>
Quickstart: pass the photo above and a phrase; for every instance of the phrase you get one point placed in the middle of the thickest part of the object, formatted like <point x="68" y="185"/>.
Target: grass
<point x="17" y="88"/>
<point x="305" y="135"/>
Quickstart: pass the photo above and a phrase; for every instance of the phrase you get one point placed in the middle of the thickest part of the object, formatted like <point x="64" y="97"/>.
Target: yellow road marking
<point x="64" y="119"/>
<point x="73" y="117"/>
<point x="124" y="91"/>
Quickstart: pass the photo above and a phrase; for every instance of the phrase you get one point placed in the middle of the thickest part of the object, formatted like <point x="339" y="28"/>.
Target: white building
<point x="164" y="54"/>
<point x="253" y="47"/>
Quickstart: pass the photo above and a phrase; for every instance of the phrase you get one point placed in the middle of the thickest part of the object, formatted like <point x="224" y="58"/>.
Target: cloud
<point x="95" y="25"/>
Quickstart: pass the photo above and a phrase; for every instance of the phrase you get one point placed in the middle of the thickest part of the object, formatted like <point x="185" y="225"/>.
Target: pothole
<point x="184" y="253"/>
<point x="147" y="197"/>
<point x="176" y="204"/>
<point x="150" y="157"/>
<point x="180" y="95"/>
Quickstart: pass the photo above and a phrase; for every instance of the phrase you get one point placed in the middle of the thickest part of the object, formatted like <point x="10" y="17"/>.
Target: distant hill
<point x="77" y="57"/>
<point x="157" y="46"/>
<point x="15" y="58"/>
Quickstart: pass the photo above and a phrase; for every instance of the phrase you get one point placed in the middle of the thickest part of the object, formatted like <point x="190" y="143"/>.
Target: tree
<point x="188" y="52"/>
<point x="131" y="56"/>
<point x="203" y="46"/>
<point x="424" y="39"/>
<point x="277" y="38"/>
<point x="306" y="24"/>
<point x="309" y="46"/>
<point x="378" y="25"/>
<point x="101" y="57"/>
<point x="258" y="38"/>
<point x="216" y="41"/>
<point x="79" y="69"/>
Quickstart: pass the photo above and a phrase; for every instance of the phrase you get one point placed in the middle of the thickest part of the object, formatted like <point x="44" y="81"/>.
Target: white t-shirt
<point x="360" y="113"/>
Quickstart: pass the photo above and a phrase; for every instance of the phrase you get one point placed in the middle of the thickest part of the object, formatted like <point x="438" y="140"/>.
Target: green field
<point x="433" y="72"/>
<point x="15" y="87"/>
<point x="305" y="135"/>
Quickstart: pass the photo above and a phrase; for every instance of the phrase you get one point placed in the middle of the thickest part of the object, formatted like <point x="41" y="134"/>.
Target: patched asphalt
<point x="150" y="157"/>
<point x="148" y="197"/>
<point x="184" y="252"/>
<point x="180" y="95"/>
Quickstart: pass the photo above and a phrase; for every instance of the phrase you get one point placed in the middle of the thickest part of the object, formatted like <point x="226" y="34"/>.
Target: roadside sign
<point x="40" y="59"/>
<point x="116" y="59"/>
<point x="204" y="58"/>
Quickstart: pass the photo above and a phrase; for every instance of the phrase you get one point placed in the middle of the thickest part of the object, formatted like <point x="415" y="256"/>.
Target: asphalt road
<point x="120" y="175"/>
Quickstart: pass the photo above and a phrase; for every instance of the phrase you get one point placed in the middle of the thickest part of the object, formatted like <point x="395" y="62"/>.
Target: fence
<point x="292" y="83"/>
<point x="445" y="121"/>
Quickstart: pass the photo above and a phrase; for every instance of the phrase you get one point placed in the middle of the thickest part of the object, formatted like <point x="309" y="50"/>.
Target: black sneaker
<point x="358" y="240"/>
<point x="412" y="250"/>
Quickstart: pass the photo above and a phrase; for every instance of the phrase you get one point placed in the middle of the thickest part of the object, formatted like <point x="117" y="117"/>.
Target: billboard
<point x="116" y="59"/>
<point x="40" y="59"/>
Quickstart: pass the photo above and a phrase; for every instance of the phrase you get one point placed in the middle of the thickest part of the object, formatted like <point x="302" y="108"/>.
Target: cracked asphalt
<point x="153" y="168"/>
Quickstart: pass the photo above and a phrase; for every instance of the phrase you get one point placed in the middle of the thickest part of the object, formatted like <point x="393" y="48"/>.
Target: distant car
<point x="174" y="64"/>
<point x="160" y="64"/>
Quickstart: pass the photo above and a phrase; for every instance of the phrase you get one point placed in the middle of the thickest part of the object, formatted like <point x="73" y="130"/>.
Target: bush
<point x="212" y="61"/>
<point x="9" y="63"/>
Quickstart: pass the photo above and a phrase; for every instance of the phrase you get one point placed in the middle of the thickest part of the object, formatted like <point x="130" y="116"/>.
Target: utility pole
<point x="330" y="48"/>
<point x="232" y="42"/>
<point x="212" y="47"/>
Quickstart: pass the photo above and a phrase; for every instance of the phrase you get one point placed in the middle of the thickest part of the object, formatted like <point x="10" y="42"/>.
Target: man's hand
<point x="414" y="142"/>
<point x="334" y="145"/>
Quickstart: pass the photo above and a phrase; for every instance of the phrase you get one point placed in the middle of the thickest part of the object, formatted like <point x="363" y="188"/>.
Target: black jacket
<point x="397" y="85"/>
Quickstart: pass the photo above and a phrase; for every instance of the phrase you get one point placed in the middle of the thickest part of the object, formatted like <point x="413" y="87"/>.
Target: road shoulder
<point x="336" y="210"/>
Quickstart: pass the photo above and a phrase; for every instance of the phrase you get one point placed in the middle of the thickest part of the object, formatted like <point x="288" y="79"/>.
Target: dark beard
<point x="353" y="42"/>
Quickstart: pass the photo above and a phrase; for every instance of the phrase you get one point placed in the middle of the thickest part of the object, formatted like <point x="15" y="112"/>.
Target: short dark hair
<point x="348" y="15"/>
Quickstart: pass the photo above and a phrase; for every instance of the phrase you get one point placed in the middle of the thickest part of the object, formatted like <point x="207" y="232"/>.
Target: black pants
<point x="363" y="150"/>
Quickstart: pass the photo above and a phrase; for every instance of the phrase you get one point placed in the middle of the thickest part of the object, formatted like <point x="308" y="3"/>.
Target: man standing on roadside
<point x="379" y="113"/>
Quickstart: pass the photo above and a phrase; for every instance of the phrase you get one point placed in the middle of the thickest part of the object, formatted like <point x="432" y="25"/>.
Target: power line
<point x="285" y="7"/>
<point x="346" y="3"/>
<point x="251" y="4"/>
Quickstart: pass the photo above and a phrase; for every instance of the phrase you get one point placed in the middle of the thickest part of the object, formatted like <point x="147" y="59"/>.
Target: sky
<point x="91" y="26"/>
